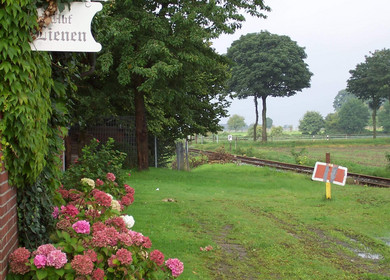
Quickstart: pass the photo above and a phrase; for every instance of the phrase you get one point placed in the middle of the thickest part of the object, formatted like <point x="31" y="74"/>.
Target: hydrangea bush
<point x="93" y="240"/>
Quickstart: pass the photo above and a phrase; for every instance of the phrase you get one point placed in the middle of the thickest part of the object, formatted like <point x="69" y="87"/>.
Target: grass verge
<point x="263" y="224"/>
<point x="364" y="156"/>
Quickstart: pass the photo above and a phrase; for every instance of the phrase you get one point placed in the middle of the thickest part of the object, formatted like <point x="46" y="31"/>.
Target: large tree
<point x="311" y="123"/>
<point x="370" y="81"/>
<point x="158" y="57"/>
<point x="384" y="116"/>
<point x="266" y="64"/>
<point x="236" y="122"/>
<point x="353" y="116"/>
<point x="342" y="97"/>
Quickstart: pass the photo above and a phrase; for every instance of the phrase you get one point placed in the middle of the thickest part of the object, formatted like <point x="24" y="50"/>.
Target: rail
<point x="358" y="179"/>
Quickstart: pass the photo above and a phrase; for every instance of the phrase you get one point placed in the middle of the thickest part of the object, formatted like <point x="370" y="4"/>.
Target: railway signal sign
<point x="329" y="173"/>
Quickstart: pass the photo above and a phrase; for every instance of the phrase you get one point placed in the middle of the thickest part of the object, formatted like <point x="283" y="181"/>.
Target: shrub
<point x="95" y="161"/>
<point x="92" y="241"/>
<point x="300" y="157"/>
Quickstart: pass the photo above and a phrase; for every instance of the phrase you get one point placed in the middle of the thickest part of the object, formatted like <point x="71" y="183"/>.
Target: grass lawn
<point x="263" y="224"/>
<point x="364" y="156"/>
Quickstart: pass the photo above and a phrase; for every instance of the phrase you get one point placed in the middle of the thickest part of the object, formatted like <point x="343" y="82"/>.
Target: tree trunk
<point x="374" y="123"/>
<point x="264" y="119"/>
<point x="257" y="119"/>
<point x="141" y="131"/>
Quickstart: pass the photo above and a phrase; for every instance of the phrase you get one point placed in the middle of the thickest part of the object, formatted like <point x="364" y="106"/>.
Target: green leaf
<point x="41" y="274"/>
<point x="60" y="272"/>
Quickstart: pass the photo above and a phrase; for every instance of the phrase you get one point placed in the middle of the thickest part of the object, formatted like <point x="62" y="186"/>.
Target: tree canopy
<point x="311" y="123"/>
<point x="370" y="81"/>
<point x="266" y="64"/>
<point x="157" y="62"/>
<point x="353" y="116"/>
<point x="236" y="122"/>
<point x="384" y="116"/>
<point x="342" y="97"/>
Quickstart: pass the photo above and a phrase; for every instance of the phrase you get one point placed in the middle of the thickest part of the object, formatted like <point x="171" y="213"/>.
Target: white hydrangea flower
<point x="89" y="182"/>
<point x="129" y="221"/>
<point x="115" y="205"/>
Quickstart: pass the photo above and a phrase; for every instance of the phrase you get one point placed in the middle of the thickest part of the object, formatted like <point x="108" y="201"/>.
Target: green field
<point x="263" y="224"/>
<point x="364" y="156"/>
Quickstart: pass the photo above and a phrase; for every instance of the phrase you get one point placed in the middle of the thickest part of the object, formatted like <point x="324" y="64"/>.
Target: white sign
<point x="70" y="30"/>
<point x="230" y="137"/>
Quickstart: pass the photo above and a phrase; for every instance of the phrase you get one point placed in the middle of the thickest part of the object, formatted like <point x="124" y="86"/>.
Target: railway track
<point x="352" y="178"/>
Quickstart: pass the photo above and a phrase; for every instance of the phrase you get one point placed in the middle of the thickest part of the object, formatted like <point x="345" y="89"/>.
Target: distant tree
<point x="342" y="97"/>
<point x="276" y="131"/>
<point x="236" y="122"/>
<point x="332" y="123"/>
<point x="269" y="123"/>
<point x="251" y="131"/>
<point x="311" y="123"/>
<point x="370" y="81"/>
<point x="266" y="64"/>
<point x="384" y="116"/>
<point x="353" y="116"/>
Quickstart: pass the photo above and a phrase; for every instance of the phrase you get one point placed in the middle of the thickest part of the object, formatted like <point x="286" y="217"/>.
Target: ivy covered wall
<point x="32" y="124"/>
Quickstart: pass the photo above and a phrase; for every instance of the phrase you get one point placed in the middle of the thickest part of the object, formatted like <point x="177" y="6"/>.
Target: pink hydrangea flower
<point x="99" y="182"/>
<point x="74" y="194"/>
<point x="157" y="257"/>
<point x="81" y="227"/>
<point x="82" y="264"/>
<point x="125" y="239"/>
<point x="129" y="189"/>
<point x="64" y="193"/>
<point x="110" y="177"/>
<point x="127" y="199"/>
<point x="40" y="261"/>
<point x="102" y="198"/>
<point x="107" y="236"/>
<point x="175" y="266"/>
<point x="56" y="258"/>
<point x="91" y="254"/>
<point x="98" y="226"/>
<point x="98" y="274"/>
<point x="124" y="256"/>
<point x="70" y="210"/>
<point x="110" y="261"/>
<point x="99" y="239"/>
<point x="56" y="212"/>
<point x="44" y="249"/>
<point x="118" y="223"/>
<point x="146" y="243"/>
<point x="18" y="260"/>
<point x="136" y="237"/>
<point x="112" y="235"/>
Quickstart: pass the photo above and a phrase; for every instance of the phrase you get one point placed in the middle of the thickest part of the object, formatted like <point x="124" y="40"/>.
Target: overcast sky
<point x="336" y="35"/>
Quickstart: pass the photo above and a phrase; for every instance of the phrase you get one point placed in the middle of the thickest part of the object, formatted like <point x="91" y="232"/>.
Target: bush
<point x="95" y="161"/>
<point x="92" y="241"/>
<point x="91" y="238"/>
<point x="300" y="157"/>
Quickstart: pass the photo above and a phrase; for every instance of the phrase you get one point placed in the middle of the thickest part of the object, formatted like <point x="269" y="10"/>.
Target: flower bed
<point x="93" y="240"/>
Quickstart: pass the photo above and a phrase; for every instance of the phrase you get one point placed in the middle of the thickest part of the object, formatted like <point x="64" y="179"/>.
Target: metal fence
<point x="121" y="129"/>
<point x="199" y="139"/>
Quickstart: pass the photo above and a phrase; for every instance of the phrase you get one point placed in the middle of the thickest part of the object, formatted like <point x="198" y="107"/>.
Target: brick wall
<point x="8" y="220"/>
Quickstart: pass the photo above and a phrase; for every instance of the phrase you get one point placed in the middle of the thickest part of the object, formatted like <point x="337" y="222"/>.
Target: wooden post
<point x="328" y="187"/>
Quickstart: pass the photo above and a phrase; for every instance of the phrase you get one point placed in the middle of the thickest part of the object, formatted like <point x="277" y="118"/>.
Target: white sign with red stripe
<point x="326" y="172"/>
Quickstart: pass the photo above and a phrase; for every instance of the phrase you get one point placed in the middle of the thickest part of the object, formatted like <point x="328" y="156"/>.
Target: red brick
<point x="11" y="204"/>
<point x="6" y="196"/>
<point x="7" y="222"/>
